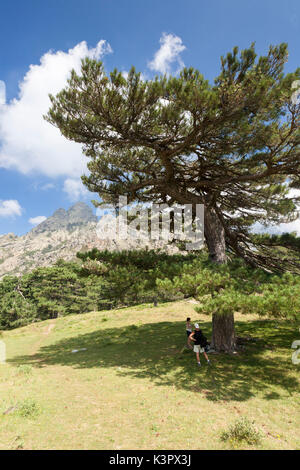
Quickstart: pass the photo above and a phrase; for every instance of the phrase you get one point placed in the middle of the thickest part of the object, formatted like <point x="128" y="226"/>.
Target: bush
<point x="28" y="408"/>
<point x="25" y="369"/>
<point x="243" y="430"/>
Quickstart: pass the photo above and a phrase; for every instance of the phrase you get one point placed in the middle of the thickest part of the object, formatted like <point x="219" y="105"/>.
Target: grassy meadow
<point x="132" y="386"/>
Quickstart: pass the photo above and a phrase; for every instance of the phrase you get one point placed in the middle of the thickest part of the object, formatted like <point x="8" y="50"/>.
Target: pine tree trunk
<point x="223" y="336"/>
<point x="214" y="235"/>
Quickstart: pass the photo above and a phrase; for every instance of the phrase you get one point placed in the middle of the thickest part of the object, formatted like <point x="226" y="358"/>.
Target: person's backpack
<point x="201" y="338"/>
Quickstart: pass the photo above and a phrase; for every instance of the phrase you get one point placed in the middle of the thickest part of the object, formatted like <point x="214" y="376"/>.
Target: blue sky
<point x="41" y="40"/>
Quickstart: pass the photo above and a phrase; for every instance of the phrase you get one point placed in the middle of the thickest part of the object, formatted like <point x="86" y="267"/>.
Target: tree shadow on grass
<point x="153" y="351"/>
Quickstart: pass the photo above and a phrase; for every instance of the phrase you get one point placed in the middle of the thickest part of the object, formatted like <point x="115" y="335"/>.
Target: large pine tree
<point x="232" y="145"/>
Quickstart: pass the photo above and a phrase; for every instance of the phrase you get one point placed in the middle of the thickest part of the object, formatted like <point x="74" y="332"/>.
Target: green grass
<point x="132" y="388"/>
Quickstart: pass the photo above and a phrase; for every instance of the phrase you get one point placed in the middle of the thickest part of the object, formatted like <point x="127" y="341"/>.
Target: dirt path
<point x="49" y="328"/>
<point x="35" y="348"/>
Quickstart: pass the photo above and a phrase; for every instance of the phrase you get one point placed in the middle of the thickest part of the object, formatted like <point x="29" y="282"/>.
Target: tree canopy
<point x="232" y="145"/>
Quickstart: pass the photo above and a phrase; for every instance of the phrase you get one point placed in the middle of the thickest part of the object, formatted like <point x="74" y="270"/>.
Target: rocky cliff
<point x="60" y="236"/>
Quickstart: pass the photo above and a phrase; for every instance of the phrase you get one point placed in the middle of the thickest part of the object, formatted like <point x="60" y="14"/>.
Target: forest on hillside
<point x="100" y="280"/>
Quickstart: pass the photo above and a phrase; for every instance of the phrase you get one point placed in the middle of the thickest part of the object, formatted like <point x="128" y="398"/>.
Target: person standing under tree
<point x="199" y="344"/>
<point x="189" y="330"/>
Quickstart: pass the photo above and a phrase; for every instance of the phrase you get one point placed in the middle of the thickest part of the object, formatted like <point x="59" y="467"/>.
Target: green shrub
<point x="28" y="408"/>
<point x="242" y="431"/>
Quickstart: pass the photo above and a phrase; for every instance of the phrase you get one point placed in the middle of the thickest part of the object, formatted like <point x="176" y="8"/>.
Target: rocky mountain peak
<point x="81" y="213"/>
<point x="78" y="215"/>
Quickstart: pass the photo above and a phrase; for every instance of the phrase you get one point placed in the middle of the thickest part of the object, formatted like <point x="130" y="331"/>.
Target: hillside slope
<point x="129" y="386"/>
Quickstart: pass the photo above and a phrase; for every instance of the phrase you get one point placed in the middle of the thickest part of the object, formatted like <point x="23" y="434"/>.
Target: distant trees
<point x="287" y="240"/>
<point x="15" y="309"/>
<point x="44" y="293"/>
<point x="101" y="280"/>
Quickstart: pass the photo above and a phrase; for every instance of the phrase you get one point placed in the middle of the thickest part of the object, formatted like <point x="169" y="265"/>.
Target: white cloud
<point x="168" y="53"/>
<point x="75" y="189"/>
<point x="27" y="142"/>
<point x="2" y="93"/>
<point x="10" y="208"/>
<point x="37" y="220"/>
<point x="278" y="229"/>
<point x="294" y="193"/>
<point x="281" y="228"/>
<point x="47" y="186"/>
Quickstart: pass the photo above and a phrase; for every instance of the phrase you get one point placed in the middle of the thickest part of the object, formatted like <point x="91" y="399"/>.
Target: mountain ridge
<point x="62" y="235"/>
